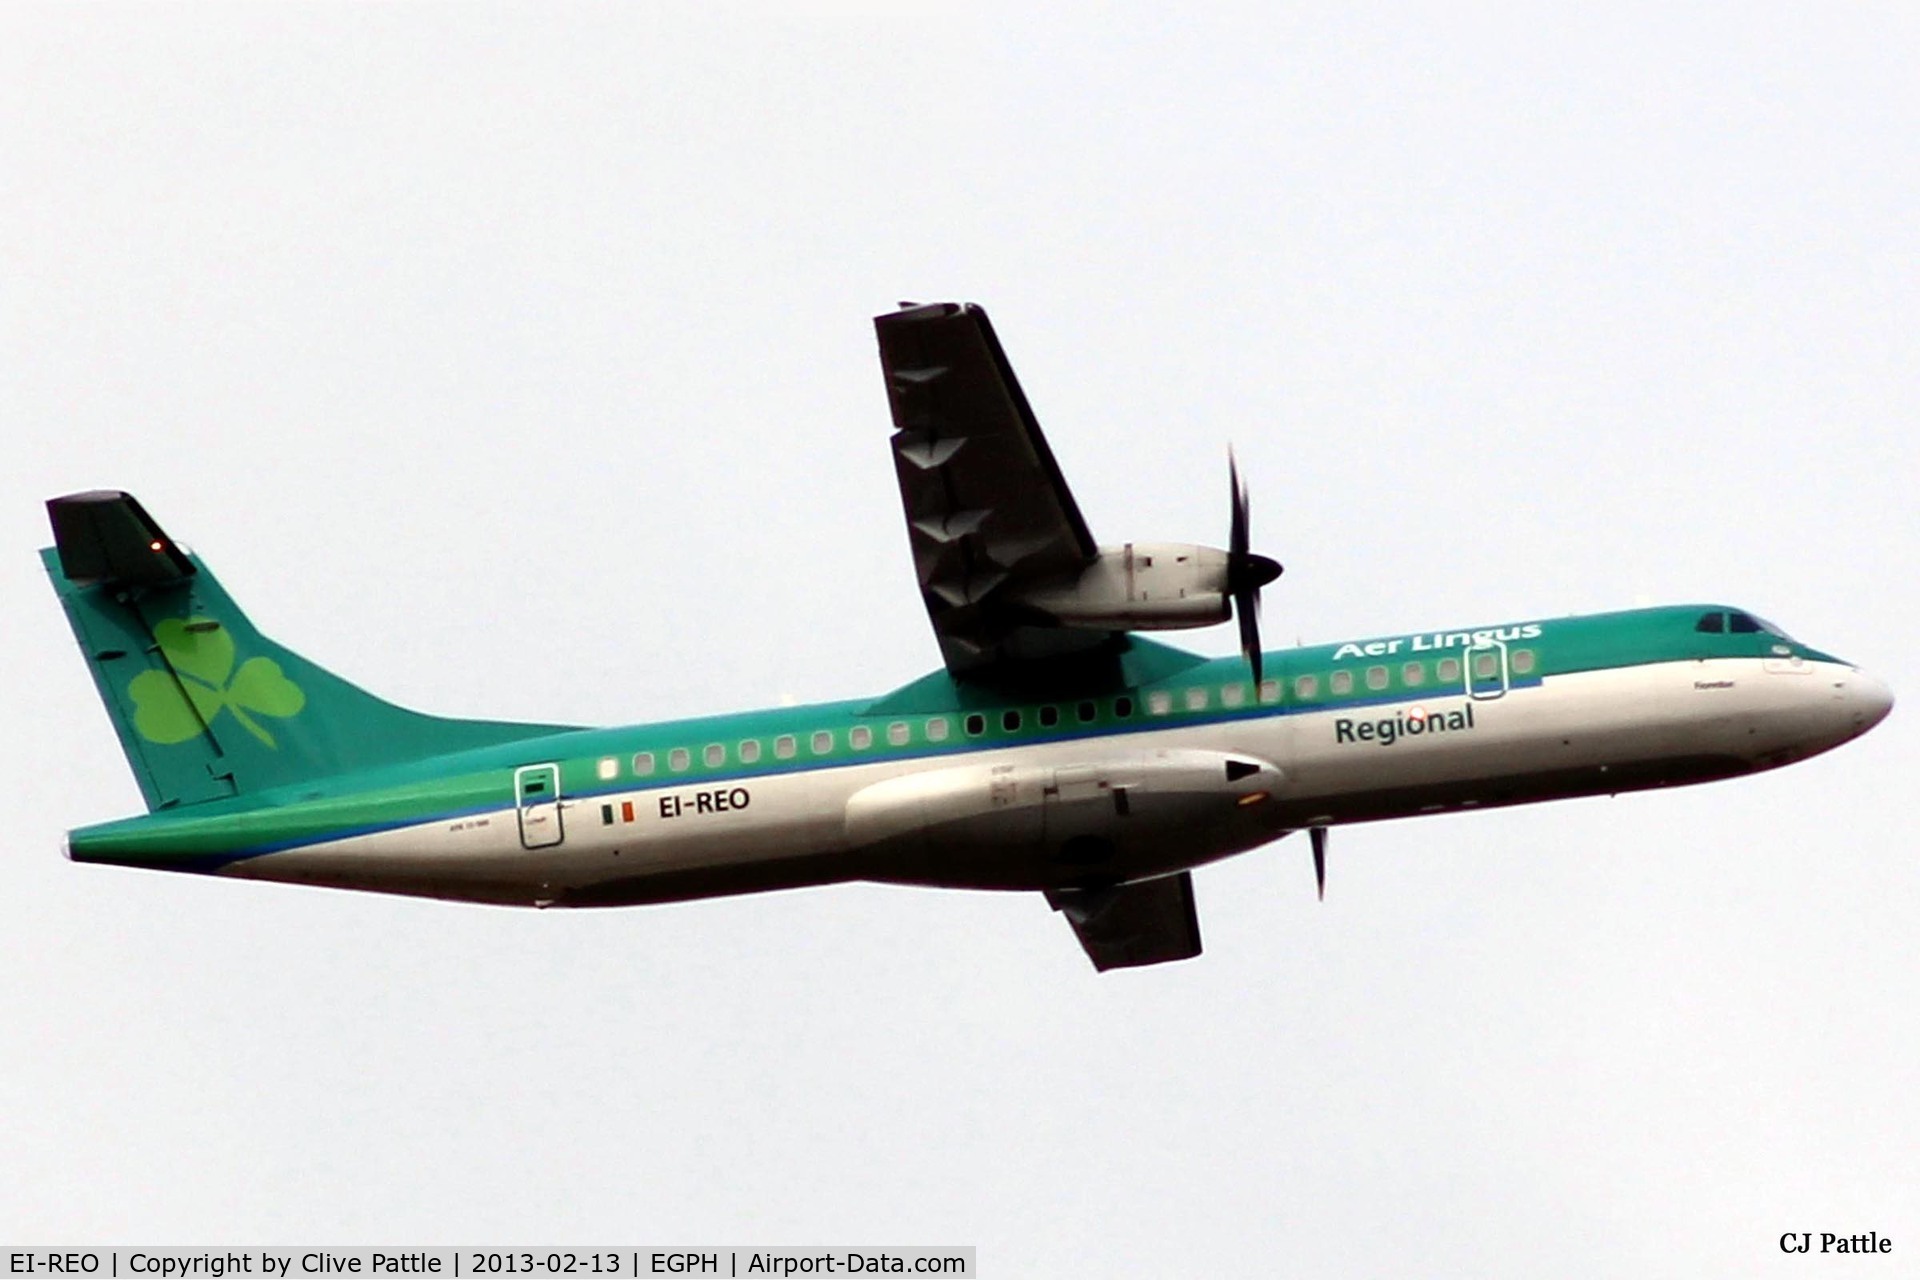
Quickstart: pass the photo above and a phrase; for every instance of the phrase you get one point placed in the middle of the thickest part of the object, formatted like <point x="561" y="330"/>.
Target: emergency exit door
<point x="536" y="789"/>
<point x="1486" y="670"/>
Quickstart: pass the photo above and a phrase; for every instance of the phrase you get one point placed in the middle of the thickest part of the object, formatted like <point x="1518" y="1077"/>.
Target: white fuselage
<point x="1047" y="815"/>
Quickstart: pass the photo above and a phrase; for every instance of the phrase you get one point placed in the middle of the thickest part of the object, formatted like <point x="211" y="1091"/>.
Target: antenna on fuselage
<point x="1319" y="838"/>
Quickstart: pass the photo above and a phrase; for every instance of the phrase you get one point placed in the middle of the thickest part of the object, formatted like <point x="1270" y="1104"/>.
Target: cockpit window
<point x="1747" y="624"/>
<point x="1740" y="623"/>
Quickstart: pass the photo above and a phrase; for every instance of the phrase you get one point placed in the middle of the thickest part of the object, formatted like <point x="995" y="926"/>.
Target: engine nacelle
<point x="1026" y="826"/>
<point x="1140" y="586"/>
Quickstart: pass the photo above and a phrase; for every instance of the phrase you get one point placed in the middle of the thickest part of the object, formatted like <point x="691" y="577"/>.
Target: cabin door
<point x="1487" y="670"/>
<point x="536" y="791"/>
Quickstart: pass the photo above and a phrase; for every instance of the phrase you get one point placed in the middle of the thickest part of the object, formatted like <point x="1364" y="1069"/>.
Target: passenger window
<point x="1085" y="712"/>
<point x="750" y="751"/>
<point x="715" y="755"/>
<point x="861" y="737"/>
<point x="1196" y="699"/>
<point x="1713" y="622"/>
<point x="976" y="725"/>
<point x="822" y="741"/>
<point x="1010" y="721"/>
<point x="1122" y="708"/>
<point x="1485" y="666"/>
<point x="1159" y="702"/>
<point x="897" y="733"/>
<point x="1306" y="686"/>
<point x="784" y="746"/>
<point x="1447" y="670"/>
<point x="643" y="764"/>
<point x="608" y="768"/>
<point x="1340" y="683"/>
<point x="1522" y="661"/>
<point x="1049" y="717"/>
<point x="937" y="729"/>
<point x="1269" y="691"/>
<point x="678" y="759"/>
<point x="1414" y="673"/>
<point x="1233" y="695"/>
<point x="1376" y="677"/>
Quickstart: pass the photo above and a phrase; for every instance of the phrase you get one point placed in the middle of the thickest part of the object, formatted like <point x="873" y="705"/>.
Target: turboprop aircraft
<point x="1056" y="752"/>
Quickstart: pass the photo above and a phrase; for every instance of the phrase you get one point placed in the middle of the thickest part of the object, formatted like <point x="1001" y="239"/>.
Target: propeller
<point x="1319" y="835"/>
<point x="1246" y="572"/>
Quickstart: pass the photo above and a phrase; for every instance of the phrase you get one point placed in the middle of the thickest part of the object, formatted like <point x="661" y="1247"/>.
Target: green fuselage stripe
<point x="442" y="788"/>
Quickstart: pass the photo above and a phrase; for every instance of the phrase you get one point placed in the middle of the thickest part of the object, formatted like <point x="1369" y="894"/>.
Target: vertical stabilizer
<point x="206" y="707"/>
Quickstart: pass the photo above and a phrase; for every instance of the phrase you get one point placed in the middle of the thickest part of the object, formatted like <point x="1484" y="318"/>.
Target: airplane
<point x="1058" y="751"/>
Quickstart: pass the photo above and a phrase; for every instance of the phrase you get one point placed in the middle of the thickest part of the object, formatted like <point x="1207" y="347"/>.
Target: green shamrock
<point x="200" y="652"/>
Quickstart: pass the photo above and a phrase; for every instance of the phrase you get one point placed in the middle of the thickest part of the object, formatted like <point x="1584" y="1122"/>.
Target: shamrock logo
<point x="201" y="654"/>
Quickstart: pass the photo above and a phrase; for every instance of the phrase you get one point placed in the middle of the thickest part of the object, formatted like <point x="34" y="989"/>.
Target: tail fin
<point x="206" y="707"/>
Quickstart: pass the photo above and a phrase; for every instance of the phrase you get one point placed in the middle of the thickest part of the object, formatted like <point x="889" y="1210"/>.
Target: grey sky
<point x="518" y="363"/>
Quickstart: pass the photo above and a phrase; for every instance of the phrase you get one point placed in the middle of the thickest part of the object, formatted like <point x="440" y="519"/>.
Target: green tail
<point x="206" y="707"/>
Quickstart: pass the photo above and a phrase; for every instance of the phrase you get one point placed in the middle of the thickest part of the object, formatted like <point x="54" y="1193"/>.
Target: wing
<point x="988" y="512"/>
<point x="1122" y="926"/>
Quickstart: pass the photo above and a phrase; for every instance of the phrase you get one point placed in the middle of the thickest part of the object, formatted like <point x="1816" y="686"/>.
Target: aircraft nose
<point x="1869" y="701"/>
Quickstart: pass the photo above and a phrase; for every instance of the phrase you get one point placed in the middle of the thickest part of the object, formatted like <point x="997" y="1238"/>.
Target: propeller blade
<point x="1246" y="572"/>
<point x="1319" y="837"/>
<point x="1237" y="532"/>
<point x="1246" y="611"/>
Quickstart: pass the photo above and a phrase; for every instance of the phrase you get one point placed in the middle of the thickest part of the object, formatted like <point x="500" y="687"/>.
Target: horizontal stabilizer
<point x="106" y="538"/>
<point x="1122" y="926"/>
